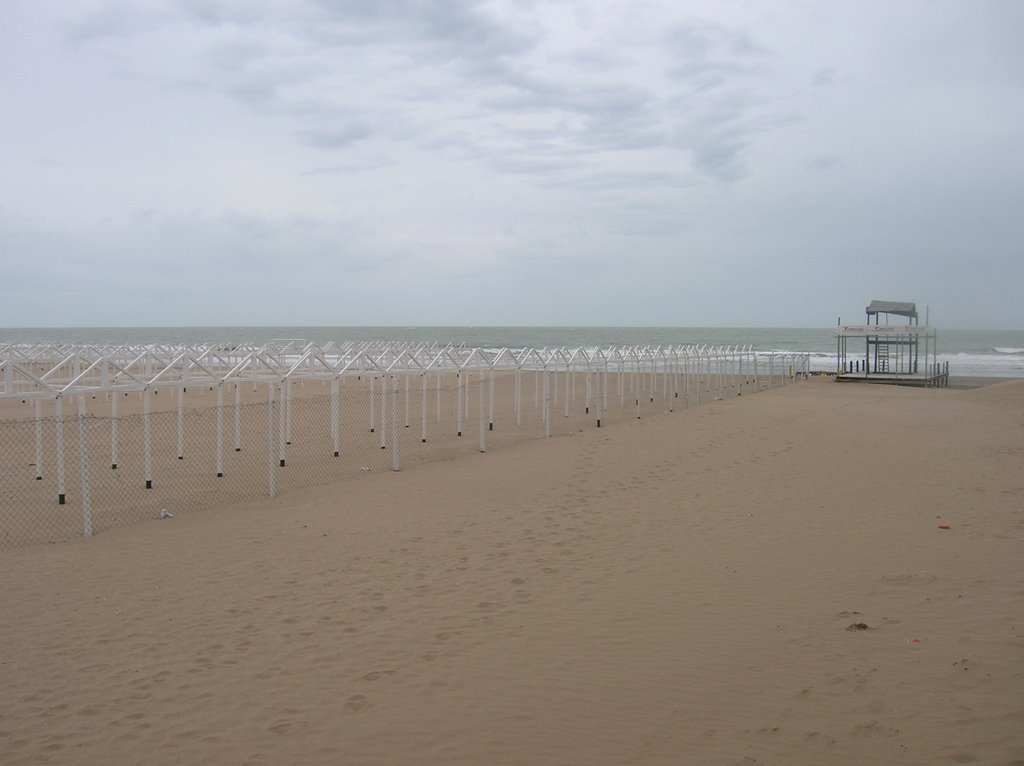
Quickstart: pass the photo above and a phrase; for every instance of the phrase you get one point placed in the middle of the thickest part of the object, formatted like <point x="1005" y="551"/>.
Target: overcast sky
<point x="390" y="162"/>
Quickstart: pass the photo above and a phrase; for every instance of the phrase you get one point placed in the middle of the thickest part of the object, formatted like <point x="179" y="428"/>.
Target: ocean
<point x="980" y="353"/>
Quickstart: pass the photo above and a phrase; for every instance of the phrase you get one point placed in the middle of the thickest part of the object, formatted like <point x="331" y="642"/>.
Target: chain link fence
<point x="117" y="458"/>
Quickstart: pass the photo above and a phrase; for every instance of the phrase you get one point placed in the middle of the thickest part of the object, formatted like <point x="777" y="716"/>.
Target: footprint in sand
<point x="356" y="703"/>
<point x="375" y="674"/>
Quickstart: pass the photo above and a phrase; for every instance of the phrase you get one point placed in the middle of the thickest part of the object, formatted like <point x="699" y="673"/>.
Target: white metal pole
<point x="271" y="477"/>
<point x="83" y="452"/>
<point x="39" y="439"/>
<point x="406" y="376"/>
<point x="113" y="431"/>
<point x="373" y="404"/>
<point x="282" y="424"/>
<point x="686" y="380"/>
<point x="147" y="441"/>
<point x="483" y="431"/>
<point x="238" y="417"/>
<point x="181" y="422"/>
<point x="384" y="411"/>
<point x="603" y="388"/>
<point x="698" y="379"/>
<point x="423" y="407"/>
<point x="675" y="381"/>
<point x="547" y="407"/>
<point x="220" y="430"/>
<point x="437" y="398"/>
<point x="395" y="464"/>
<point x="458" y="403"/>
<point x="335" y="440"/>
<point x="490" y="401"/>
<point x="59" y="406"/>
<point x="286" y="410"/>
<point x="518" y="397"/>
<point x="567" y="394"/>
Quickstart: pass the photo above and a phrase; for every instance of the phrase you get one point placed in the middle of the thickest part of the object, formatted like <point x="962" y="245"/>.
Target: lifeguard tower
<point x="902" y="354"/>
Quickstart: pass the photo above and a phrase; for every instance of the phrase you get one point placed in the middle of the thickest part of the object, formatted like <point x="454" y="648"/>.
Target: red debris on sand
<point x="944" y="526"/>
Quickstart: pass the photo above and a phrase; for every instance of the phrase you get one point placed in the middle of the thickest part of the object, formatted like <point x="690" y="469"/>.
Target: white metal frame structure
<point x="394" y="380"/>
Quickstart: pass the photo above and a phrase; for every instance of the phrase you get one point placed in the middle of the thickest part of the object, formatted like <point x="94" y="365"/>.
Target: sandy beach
<point x="814" y="574"/>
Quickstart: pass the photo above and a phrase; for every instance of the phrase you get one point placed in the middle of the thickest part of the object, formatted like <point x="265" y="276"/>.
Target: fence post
<point x="458" y="403"/>
<point x="83" y="452"/>
<point x="334" y="416"/>
<point x="586" y="389"/>
<point x="113" y="431"/>
<point x="147" y="441"/>
<point x="518" y="396"/>
<point x="59" y="407"/>
<point x="423" y="407"/>
<point x="286" y="410"/>
<point x="220" y="429"/>
<point x="238" y="417"/>
<point x="671" y="376"/>
<point x="282" y="419"/>
<point x="483" y="443"/>
<point x="384" y="409"/>
<point x="568" y="388"/>
<point x="490" y="402"/>
<point x="373" y="404"/>
<point x="699" y="376"/>
<point x="271" y="483"/>
<point x="181" y="422"/>
<point x="438" y="381"/>
<point x="604" y="387"/>
<point x="547" y="405"/>
<point x="395" y="466"/>
<point x="39" y="439"/>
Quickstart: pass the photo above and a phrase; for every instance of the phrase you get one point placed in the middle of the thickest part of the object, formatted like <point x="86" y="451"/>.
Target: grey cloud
<point x="360" y="165"/>
<point x="633" y="181"/>
<point x="823" y="77"/>
<point x="112" y="20"/>
<point x="823" y="162"/>
<point x="223" y="11"/>
<point x="457" y="30"/>
<point x="720" y="158"/>
<point x="716" y="112"/>
<point x="336" y="138"/>
<point x="711" y="44"/>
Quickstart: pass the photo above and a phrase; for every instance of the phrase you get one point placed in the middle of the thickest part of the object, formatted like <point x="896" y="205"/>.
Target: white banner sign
<point x="883" y="329"/>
